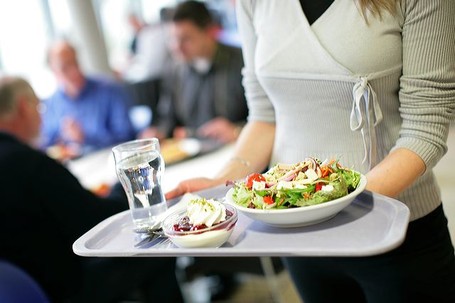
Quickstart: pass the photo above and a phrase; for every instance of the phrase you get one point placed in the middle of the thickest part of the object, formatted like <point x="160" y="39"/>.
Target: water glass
<point x="139" y="166"/>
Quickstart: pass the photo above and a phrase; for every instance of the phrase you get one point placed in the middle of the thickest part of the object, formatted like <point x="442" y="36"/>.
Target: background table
<point x="99" y="168"/>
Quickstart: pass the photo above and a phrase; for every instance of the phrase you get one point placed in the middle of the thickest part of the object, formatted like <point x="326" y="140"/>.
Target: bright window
<point x="23" y="40"/>
<point x="27" y="26"/>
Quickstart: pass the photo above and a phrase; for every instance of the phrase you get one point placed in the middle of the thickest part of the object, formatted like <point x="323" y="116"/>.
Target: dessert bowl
<point x="177" y="228"/>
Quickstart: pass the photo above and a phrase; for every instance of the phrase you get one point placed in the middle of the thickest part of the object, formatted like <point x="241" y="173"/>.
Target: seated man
<point x="85" y="113"/>
<point x="44" y="210"/>
<point x="202" y="95"/>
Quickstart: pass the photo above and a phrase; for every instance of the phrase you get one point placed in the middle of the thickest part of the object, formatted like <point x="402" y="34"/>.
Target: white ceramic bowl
<point x="300" y="216"/>
<point x="213" y="236"/>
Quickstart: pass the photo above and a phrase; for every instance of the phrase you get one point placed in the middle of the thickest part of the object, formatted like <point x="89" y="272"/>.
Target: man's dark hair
<point x="193" y="11"/>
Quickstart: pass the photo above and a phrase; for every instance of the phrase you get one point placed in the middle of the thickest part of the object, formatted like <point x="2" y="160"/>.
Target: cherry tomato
<point x="318" y="186"/>
<point x="268" y="200"/>
<point x="253" y="177"/>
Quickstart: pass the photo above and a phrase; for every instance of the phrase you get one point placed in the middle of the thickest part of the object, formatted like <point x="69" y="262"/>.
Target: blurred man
<point x="44" y="210"/>
<point x="85" y="113"/>
<point x="202" y="95"/>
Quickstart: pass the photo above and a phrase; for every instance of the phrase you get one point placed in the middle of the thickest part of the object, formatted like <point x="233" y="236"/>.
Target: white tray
<point x="371" y="224"/>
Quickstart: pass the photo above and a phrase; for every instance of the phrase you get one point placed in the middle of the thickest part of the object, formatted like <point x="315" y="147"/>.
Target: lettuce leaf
<point x="242" y="195"/>
<point x="352" y="179"/>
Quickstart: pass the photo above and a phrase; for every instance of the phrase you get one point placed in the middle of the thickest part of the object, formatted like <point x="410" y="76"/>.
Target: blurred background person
<point x="85" y="113"/>
<point x="202" y="94"/>
<point x="44" y="210"/>
<point x="149" y="57"/>
<point x="137" y="24"/>
<point x="149" y="51"/>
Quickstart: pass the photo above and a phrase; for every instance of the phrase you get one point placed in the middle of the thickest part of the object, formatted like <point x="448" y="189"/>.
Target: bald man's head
<point x="62" y="59"/>
<point x="19" y="114"/>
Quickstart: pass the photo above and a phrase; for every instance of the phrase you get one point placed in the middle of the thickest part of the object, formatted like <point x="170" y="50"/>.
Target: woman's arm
<point x="427" y="96"/>
<point x="395" y="173"/>
<point x="252" y="154"/>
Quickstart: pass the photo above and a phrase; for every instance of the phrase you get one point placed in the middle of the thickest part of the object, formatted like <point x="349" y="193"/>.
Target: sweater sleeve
<point x="427" y="88"/>
<point x="259" y="105"/>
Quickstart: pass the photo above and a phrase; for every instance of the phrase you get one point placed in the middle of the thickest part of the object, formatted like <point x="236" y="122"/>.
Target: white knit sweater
<point x="342" y="88"/>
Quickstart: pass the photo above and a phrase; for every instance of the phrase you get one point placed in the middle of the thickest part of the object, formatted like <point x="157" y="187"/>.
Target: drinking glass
<point x="139" y="166"/>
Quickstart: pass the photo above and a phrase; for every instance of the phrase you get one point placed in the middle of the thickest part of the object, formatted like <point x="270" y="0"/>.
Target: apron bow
<point x="365" y="115"/>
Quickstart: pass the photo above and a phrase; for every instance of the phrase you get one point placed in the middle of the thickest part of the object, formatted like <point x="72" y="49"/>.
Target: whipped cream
<point x="207" y="212"/>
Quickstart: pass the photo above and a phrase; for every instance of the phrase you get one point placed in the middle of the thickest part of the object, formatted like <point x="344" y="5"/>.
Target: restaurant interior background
<point x="102" y="34"/>
<point x="99" y="29"/>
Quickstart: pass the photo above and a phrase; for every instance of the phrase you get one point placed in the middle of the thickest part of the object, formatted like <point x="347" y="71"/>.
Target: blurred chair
<point x="145" y="95"/>
<point x="146" y="92"/>
<point x="16" y="286"/>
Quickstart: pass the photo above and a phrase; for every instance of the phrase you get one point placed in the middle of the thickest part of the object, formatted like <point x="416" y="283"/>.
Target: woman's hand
<point x="191" y="185"/>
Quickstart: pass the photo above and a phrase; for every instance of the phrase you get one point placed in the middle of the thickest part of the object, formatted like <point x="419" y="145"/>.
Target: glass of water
<point x="139" y="167"/>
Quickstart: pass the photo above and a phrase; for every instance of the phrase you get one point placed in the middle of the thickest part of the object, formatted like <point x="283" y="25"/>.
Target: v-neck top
<point x="314" y="9"/>
<point x="342" y="88"/>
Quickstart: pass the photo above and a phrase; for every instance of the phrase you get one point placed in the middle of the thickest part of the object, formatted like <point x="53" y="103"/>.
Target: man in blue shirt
<point x="84" y="113"/>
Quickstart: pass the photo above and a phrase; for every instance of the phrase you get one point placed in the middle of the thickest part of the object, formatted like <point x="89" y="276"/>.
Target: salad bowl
<point x="299" y="216"/>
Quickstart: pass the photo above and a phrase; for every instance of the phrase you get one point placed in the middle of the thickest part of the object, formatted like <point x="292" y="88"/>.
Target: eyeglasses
<point x="41" y="107"/>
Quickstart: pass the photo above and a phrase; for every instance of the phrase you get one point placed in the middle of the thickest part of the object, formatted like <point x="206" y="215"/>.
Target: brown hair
<point x="376" y="7"/>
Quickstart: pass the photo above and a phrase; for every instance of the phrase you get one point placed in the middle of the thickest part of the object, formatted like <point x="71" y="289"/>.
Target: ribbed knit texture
<point x="303" y="78"/>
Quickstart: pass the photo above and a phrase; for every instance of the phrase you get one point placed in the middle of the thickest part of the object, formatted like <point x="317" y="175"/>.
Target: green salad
<point x="305" y="183"/>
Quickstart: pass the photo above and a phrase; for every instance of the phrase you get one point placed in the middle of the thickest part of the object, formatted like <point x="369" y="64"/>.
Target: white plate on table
<point x="177" y="150"/>
<point x="299" y="216"/>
